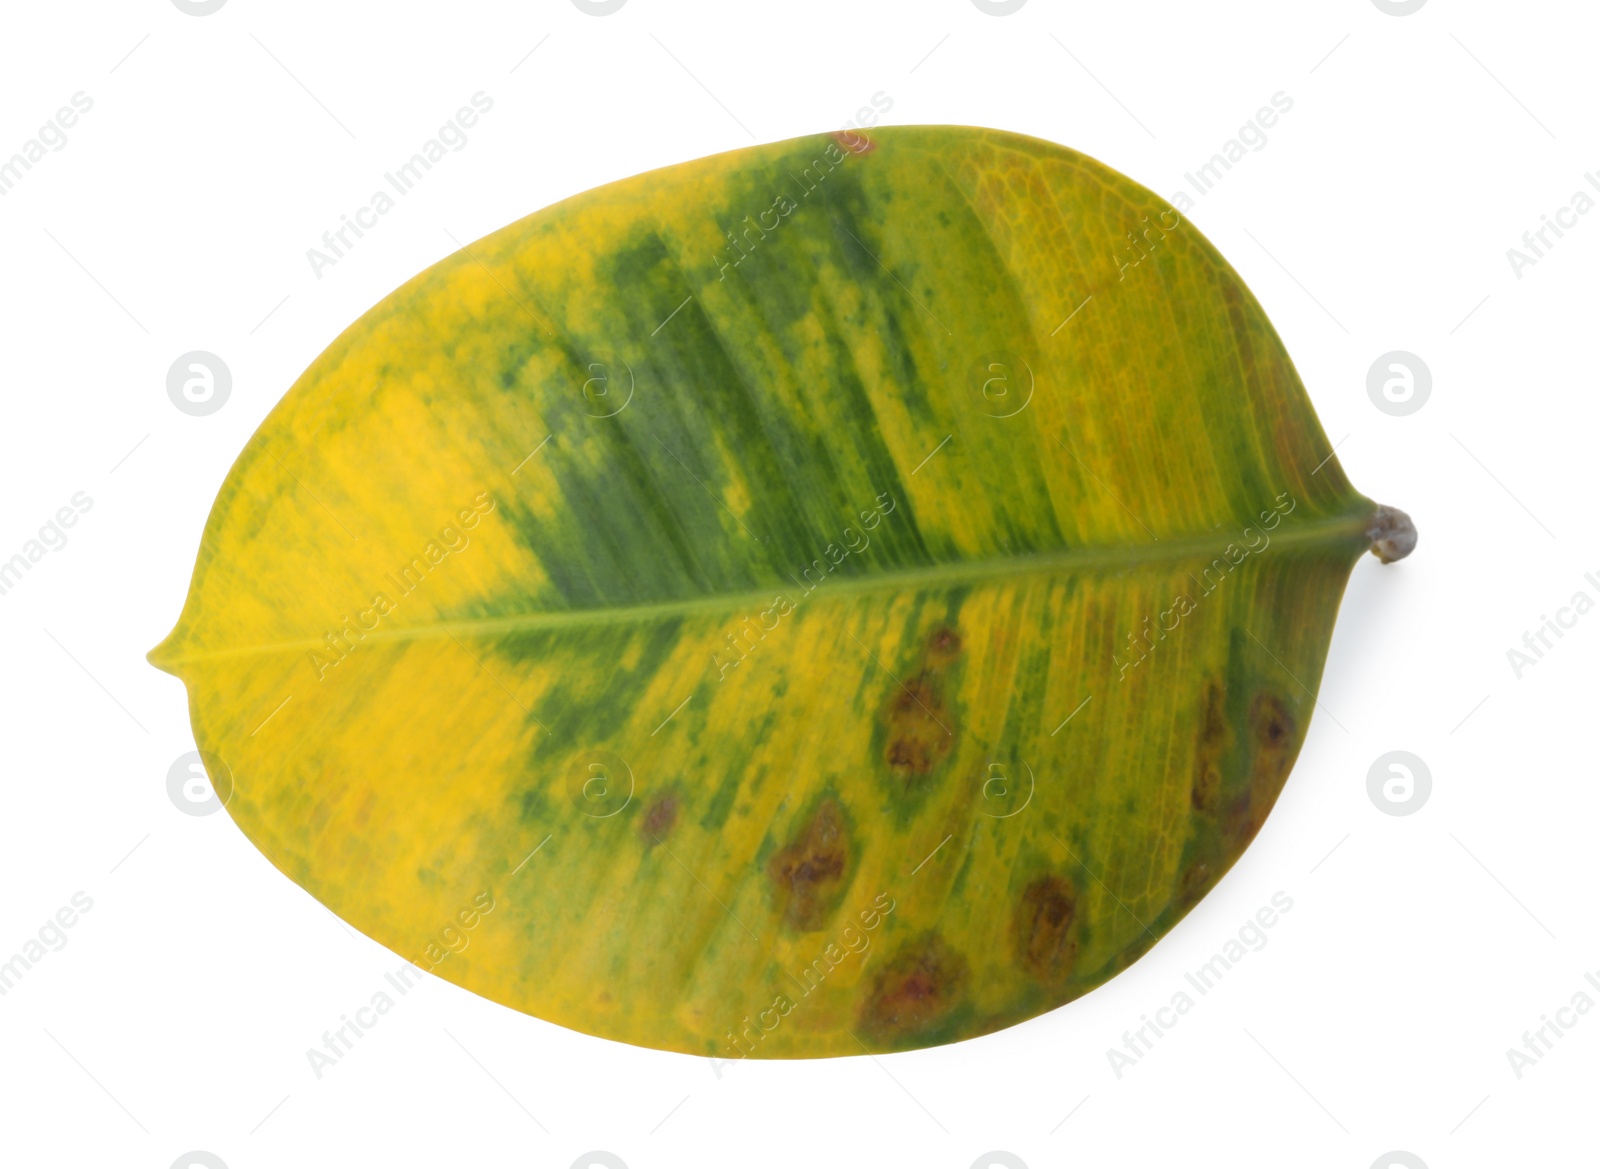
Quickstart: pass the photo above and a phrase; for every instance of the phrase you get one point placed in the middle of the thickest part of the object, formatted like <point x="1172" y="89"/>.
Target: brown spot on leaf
<point x="1273" y="737"/>
<point x="920" y="728"/>
<point x="659" y="818"/>
<point x="854" y="141"/>
<point x="1272" y="726"/>
<point x="809" y="872"/>
<point x="1043" y="926"/>
<point x="916" y="990"/>
<point x="1211" y="743"/>
<point x="944" y="645"/>
<point x="1195" y="882"/>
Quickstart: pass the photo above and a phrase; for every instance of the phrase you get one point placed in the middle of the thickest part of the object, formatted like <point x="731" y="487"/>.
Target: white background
<point x="1419" y="948"/>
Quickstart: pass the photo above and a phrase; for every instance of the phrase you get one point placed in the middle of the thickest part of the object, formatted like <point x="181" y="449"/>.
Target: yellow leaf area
<point x="836" y="596"/>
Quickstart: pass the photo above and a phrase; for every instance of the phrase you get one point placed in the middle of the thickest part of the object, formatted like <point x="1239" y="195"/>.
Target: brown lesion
<point x="809" y="873"/>
<point x="1042" y="928"/>
<point x="915" y="990"/>
<point x="944" y="646"/>
<point x="1273" y="736"/>
<point x="855" y="141"/>
<point x="921" y="727"/>
<point x="1211" y="745"/>
<point x="1195" y="882"/>
<point x="659" y="818"/>
<point x="1229" y="812"/>
<point x="919" y="732"/>
<point x="1272" y="727"/>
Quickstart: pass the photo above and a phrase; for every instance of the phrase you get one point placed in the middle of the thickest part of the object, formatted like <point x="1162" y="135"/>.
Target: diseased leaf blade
<point x="840" y="585"/>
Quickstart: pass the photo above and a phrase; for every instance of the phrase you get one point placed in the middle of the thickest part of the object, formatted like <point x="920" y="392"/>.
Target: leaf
<point x="849" y="594"/>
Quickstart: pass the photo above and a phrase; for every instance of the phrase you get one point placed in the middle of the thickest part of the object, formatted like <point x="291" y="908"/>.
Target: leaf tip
<point x="165" y="656"/>
<point x="1392" y="533"/>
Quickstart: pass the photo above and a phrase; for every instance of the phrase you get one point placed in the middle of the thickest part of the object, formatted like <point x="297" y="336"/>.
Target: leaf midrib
<point x="1348" y="530"/>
